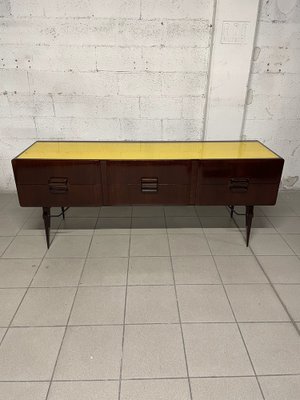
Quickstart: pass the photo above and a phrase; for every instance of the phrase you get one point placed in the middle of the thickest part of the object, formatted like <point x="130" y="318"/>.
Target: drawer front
<point x="136" y="194"/>
<point x="254" y="194"/>
<point x="256" y="171"/>
<point x="73" y="195"/>
<point x="166" y="172"/>
<point x="40" y="172"/>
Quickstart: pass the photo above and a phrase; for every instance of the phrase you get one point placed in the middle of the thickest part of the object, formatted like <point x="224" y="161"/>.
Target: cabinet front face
<point x="148" y="182"/>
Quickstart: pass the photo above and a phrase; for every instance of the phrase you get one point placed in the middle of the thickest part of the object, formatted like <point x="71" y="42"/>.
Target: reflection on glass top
<point x="146" y="150"/>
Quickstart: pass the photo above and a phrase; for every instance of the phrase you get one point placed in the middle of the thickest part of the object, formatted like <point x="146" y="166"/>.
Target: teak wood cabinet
<point x="65" y="174"/>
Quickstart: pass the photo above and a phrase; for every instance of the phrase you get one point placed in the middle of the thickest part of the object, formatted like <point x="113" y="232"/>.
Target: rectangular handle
<point x="58" y="185"/>
<point x="238" y="185"/>
<point x="149" y="185"/>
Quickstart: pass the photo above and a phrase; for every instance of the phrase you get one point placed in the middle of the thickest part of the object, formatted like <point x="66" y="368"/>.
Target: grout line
<point x="179" y="316"/>
<point x="236" y="322"/>
<point x="67" y="323"/>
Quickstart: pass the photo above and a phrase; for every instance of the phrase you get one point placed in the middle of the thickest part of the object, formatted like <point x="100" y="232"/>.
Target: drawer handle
<point x="237" y="185"/>
<point x="58" y="185"/>
<point x="149" y="185"/>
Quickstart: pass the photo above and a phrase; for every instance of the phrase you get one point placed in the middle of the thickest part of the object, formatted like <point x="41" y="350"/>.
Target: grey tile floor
<point x="150" y="303"/>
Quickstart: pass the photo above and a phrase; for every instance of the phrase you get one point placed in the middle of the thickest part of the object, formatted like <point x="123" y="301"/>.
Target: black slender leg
<point x="63" y="212"/>
<point x="231" y="211"/>
<point x="46" y="217"/>
<point x="249" y="216"/>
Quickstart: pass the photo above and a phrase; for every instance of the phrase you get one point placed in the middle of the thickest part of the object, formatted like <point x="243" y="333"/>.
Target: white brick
<point x="274" y="107"/>
<point x="271" y="12"/>
<point x="268" y="129"/>
<point x="4" y="8"/>
<point x="97" y="107"/>
<point x="183" y="84"/>
<point x="161" y="107"/>
<point x="59" y="31"/>
<point x="7" y="181"/>
<point x="78" y="128"/>
<point x="21" y="127"/>
<point x="13" y="146"/>
<point x="141" y="129"/>
<point x="285" y="35"/>
<point x="187" y="33"/>
<point x="175" y="59"/>
<point x="182" y="129"/>
<point x="273" y="59"/>
<point x="276" y="84"/>
<point x="193" y="107"/>
<point x="119" y="59"/>
<point x="30" y="105"/>
<point x="4" y="106"/>
<point x="77" y="8"/>
<point x="98" y="83"/>
<point x="13" y="80"/>
<point x="177" y="9"/>
<point x="140" y="33"/>
<point x="140" y="84"/>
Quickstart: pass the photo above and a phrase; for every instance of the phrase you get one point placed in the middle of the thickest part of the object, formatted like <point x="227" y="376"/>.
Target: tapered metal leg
<point x="249" y="216"/>
<point x="63" y="212"/>
<point x="231" y="211"/>
<point x="46" y="217"/>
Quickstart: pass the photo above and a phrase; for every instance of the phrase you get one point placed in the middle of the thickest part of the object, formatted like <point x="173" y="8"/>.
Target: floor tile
<point x="226" y="389"/>
<point x="90" y="352"/>
<point x="215" y="350"/>
<point x="35" y="226"/>
<point x="148" y="223"/>
<point x="147" y="304"/>
<point x="115" y="211"/>
<point x="98" y="305"/>
<point x="273" y="348"/>
<point x="259" y="225"/>
<point x="281" y="269"/>
<point x="26" y="247"/>
<point x="294" y="242"/>
<point x="188" y="245"/>
<point x="29" y="353"/>
<point x="212" y="211"/>
<point x="150" y="271"/>
<point x="281" y="209"/>
<point x="4" y="243"/>
<point x="10" y="226"/>
<point x="45" y="307"/>
<point x="182" y="222"/>
<point x="104" y="271"/>
<point x="203" y="303"/>
<point x="58" y="272"/>
<point x="264" y="244"/>
<point x="82" y="212"/>
<point x="164" y="389"/>
<point x="17" y="272"/>
<point x="280" y="387"/>
<point x="104" y="390"/>
<point x="149" y="245"/>
<point x="218" y="224"/>
<point x="240" y="269"/>
<point x="290" y="295"/>
<point x="9" y="302"/>
<point x="113" y="225"/>
<point x="2" y="332"/>
<point x="195" y="269"/>
<point x="153" y="351"/>
<point x="147" y="211"/>
<point x="286" y="224"/>
<point x="227" y="243"/>
<point x="109" y="246"/>
<point x="77" y="226"/>
<point x="180" y="211"/>
<point x="255" y="303"/>
<point x="23" y="390"/>
<point x="69" y="246"/>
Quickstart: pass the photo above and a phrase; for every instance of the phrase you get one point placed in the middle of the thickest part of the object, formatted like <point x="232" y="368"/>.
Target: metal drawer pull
<point x="239" y="185"/>
<point x="149" y="185"/>
<point x="58" y="185"/>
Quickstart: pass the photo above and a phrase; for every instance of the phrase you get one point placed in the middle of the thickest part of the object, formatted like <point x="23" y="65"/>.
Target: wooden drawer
<point x="132" y="194"/>
<point x="167" y="172"/>
<point x="39" y="172"/>
<point x="254" y="194"/>
<point x="256" y="171"/>
<point x="75" y="195"/>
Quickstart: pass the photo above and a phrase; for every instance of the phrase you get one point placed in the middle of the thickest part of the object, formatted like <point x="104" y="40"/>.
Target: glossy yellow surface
<point x="146" y="150"/>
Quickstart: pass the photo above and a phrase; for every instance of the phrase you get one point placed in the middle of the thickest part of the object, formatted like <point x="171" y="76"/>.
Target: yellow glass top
<point x="146" y="150"/>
